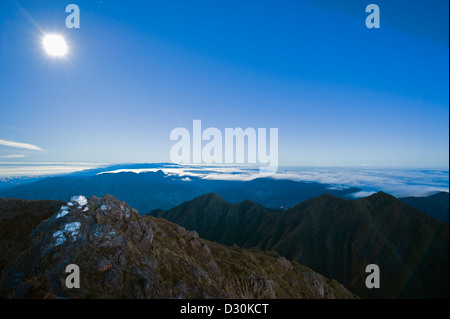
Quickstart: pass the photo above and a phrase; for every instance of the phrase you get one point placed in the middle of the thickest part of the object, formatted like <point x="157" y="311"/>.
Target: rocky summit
<point x="121" y="254"/>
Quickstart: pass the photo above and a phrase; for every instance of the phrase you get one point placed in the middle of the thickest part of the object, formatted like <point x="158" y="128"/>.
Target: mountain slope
<point x="237" y="222"/>
<point x="338" y="238"/>
<point x="436" y="205"/>
<point x="121" y="254"/>
<point x="17" y="219"/>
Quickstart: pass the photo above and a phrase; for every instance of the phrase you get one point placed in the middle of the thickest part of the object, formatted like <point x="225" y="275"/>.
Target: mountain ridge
<point x="348" y="234"/>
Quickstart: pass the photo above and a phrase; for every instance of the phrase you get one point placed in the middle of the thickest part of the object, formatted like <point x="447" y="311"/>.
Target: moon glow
<point x="54" y="45"/>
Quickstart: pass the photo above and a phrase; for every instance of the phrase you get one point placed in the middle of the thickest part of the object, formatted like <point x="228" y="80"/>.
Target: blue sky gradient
<point x="339" y="93"/>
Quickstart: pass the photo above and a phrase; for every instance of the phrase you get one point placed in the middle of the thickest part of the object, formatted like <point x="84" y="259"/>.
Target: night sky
<point x="339" y="93"/>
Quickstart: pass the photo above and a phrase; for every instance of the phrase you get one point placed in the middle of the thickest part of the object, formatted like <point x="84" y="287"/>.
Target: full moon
<point x="54" y="45"/>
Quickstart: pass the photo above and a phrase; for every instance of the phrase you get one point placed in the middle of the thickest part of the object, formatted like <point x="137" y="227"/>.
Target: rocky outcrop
<point x="121" y="254"/>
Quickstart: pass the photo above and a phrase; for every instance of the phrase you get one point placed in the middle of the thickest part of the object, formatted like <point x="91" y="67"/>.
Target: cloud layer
<point x="398" y="182"/>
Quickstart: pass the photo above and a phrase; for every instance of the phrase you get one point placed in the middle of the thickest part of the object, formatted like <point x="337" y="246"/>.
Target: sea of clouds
<point x="400" y="182"/>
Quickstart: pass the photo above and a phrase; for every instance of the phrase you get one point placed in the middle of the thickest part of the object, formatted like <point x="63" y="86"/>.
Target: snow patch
<point x="60" y="238"/>
<point x="80" y="200"/>
<point x="63" y="211"/>
<point x="73" y="228"/>
<point x="70" y="229"/>
<point x="104" y="207"/>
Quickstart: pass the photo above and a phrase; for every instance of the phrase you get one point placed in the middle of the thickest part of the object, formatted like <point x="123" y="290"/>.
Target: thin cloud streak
<point x="20" y="145"/>
<point x="44" y="170"/>
<point x="12" y="156"/>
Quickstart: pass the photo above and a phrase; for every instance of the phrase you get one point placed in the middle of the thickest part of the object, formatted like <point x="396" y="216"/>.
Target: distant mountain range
<point x="121" y="254"/>
<point x="436" y="205"/>
<point x="10" y="182"/>
<point x="335" y="237"/>
<point x="157" y="190"/>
